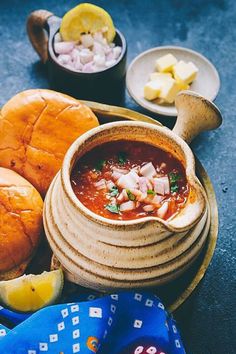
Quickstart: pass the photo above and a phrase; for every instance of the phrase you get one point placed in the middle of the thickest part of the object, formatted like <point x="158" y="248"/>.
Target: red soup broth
<point x="157" y="185"/>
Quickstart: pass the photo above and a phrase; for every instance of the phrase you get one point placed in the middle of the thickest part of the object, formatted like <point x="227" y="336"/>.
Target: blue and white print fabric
<point x="122" y="323"/>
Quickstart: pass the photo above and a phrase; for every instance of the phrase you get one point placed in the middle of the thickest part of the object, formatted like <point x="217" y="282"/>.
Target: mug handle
<point x="36" y="26"/>
<point x="195" y="115"/>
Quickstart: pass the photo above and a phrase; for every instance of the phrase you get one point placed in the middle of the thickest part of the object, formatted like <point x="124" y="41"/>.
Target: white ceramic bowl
<point x="206" y="84"/>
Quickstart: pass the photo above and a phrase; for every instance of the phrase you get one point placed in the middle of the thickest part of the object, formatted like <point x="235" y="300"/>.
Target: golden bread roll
<point x="36" y="129"/>
<point x="21" y="209"/>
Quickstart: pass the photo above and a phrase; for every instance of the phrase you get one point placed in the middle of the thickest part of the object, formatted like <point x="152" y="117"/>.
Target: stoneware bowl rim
<point x="190" y="173"/>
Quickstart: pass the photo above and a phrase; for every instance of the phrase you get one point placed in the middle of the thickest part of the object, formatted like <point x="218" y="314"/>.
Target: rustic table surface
<point x="208" y="319"/>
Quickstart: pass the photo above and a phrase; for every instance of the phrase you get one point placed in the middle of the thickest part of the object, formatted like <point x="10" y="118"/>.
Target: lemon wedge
<point x="32" y="292"/>
<point x="86" y="18"/>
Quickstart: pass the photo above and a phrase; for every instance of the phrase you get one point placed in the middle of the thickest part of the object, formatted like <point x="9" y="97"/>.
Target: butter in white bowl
<point x="185" y="72"/>
<point x="143" y="69"/>
<point x="166" y="63"/>
<point x="171" y="77"/>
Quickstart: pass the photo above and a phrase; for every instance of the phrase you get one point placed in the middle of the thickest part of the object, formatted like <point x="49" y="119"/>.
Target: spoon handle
<point x="195" y="115"/>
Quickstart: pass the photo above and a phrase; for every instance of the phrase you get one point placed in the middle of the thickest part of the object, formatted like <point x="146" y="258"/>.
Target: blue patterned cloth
<point x="122" y="323"/>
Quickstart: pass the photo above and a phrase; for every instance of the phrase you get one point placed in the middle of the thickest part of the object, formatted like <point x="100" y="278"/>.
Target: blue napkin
<point x="122" y="323"/>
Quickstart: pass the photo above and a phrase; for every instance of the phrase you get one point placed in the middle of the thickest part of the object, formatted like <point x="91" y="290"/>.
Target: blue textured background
<point x="208" y="26"/>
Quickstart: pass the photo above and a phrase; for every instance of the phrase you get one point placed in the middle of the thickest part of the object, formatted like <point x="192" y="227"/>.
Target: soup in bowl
<point x="128" y="180"/>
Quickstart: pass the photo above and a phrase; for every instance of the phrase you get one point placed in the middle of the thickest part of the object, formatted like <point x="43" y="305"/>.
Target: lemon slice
<point x="32" y="292"/>
<point x="86" y="18"/>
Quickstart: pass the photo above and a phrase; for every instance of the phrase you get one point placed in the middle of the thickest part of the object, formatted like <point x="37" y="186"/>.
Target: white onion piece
<point x="123" y="196"/>
<point x="74" y="54"/>
<point x="101" y="184"/>
<point x="161" y="185"/>
<point x="161" y="212"/>
<point x="88" y="67"/>
<point x="64" y="59"/>
<point x="148" y="208"/>
<point x="98" y="37"/>
<point x="157" y="199"/>
<point x="77" y="64"/>
<point x="134" y="176"/>
<point x="110" y="185"/>
<point x="64" y="47"/>
<point x="120" y="170"/>
<point x="116" y="175"/>
<point x="136" y="169"/>
<point x="127" y="206"/>
<point x="87" y="40"/>
<point x="128" y="181"/>
<point x="138" y="194"/>
<point x="86" y="56"/>
<point x="99" y="60"/>
<point x="148" y="170"/>
<point x="143" y="184"/>
<point x="116" y="52"/>
<point x="110" y="63"/>
<point x="98" y="48"/>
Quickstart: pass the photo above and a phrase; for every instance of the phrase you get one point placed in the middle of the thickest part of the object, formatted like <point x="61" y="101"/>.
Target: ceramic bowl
<point x="206" y="84"/>
<point x="103" y="86"/>
<point x="109" y="254"/>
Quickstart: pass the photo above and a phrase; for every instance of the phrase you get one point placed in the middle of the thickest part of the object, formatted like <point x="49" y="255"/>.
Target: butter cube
<point x="166" y="63"/>
<point x="157" y="76"/>
<point x="182" y="85"/>
<point x="185" y="72"/>
<point x="169" y="90"/>
<point x="152" y="90"/>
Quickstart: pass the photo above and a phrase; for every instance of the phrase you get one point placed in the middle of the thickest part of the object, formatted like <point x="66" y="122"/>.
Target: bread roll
<point x="20" y="223"/>
<point x="36" y="129"/>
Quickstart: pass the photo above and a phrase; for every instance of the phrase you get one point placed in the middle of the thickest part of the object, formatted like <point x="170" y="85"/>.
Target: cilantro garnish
<point x="113" y="191"/>
<point x="122" y="157"/>
<point x="131" y="196"/>
<point x="149" y="191"/>
<point x="113" y="208"/>
<point x="174" y="178"/>
<point x="174" y="188"/>
<point x="99" y="165"/>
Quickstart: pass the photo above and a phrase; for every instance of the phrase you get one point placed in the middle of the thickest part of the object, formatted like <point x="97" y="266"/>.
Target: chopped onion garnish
<point x="148" y="208"/>
<point x="161" y="212"/>
<point x="101" y="184"/>
<point x="148" y="170"/>
<point x="127" y="206"/>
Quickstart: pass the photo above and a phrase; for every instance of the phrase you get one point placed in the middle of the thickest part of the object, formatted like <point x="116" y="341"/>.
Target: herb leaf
<point x="113" y="191"/>
<point x="149" y="191"/>
<point x="122" y="157"/>
<point x="131" y="196"/>
<point x="174" y="178"/>
<point x="113" y="208"/>
<point x="99" y="165"/>
<point x="174" y="188"/>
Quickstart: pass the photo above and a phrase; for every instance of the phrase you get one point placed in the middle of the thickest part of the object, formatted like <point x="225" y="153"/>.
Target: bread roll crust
<point x="21" y="209"/>
<point x="36" y="129"/>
